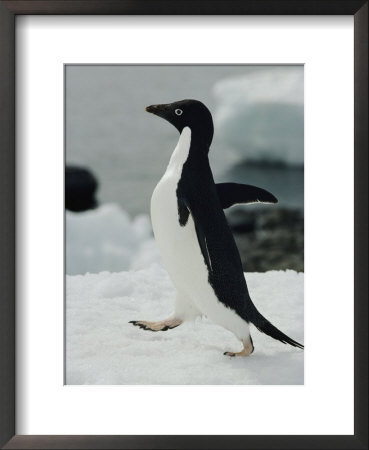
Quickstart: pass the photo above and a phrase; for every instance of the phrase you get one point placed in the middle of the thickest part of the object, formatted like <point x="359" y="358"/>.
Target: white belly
<point x="178" y="245"/>
<point x="180" y="249"/>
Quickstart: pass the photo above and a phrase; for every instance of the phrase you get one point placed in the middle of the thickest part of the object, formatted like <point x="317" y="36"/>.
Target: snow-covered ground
<point x="103" y="348"/>
<point x="107" y="238"/>
<point x="261" y="114"/>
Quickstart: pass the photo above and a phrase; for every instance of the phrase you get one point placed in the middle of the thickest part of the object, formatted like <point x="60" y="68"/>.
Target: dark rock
<point x="274" y="241"/>
<point x="241" y="222"/>
<point x="80" y="189"/>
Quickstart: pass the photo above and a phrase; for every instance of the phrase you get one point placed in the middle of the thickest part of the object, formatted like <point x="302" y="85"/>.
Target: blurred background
<point x="116" y="153"/>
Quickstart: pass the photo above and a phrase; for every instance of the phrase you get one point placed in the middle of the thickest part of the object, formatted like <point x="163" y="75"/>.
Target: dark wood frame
<point x="8" y="11"/>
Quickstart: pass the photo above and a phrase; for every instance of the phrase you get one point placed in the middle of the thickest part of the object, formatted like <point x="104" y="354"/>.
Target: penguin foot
<point x="163" y="325"/>
<point x="248" y="348"/>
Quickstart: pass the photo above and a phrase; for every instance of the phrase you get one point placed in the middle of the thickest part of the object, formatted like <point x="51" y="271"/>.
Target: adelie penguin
<point x="195" y="241"/>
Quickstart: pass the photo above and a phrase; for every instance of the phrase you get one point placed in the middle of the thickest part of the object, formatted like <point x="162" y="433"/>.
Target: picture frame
<point x="8" y="11"/>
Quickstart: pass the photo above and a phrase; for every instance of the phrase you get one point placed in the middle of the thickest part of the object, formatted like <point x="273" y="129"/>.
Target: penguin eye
<point x="179" y="112"/>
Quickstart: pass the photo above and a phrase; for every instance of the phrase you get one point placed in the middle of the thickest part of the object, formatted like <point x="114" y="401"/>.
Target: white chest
<point x="164" y="205"/>
<point x="178" y="245"/>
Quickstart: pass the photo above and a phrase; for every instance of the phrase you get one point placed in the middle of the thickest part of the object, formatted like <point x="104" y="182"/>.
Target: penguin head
<point x="187" y="113"/>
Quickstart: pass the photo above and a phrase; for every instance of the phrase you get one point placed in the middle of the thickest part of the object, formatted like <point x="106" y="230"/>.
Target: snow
<point x="261" y="114"/>
<point x="103" y="348"/>
<point x="107" y="238"/>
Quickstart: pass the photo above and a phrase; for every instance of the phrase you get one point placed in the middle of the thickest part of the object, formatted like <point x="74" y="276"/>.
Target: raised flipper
<point x="234" y="193"/>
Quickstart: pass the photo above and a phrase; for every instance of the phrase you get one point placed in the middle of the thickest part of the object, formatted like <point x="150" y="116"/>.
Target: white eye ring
<point x="179" y="112"/>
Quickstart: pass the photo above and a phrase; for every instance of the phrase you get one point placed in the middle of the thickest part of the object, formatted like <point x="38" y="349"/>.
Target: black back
<point x="197" y="195"/>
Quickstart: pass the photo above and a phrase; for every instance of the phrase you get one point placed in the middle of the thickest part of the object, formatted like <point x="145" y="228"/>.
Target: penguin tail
<point x="263" y="325"/>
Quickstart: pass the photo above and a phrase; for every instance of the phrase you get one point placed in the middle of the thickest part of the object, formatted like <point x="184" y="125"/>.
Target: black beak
<point x="151" y="108"/>
<point x="158" y="110"/>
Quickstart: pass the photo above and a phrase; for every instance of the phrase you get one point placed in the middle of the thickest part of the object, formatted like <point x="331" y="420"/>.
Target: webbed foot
<point x="163" y="325"/>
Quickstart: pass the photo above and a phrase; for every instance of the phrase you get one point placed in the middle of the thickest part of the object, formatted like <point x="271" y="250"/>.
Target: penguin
<point x="195" y="241"/>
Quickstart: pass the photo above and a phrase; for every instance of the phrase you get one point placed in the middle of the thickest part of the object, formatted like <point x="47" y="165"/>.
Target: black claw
<point x="143" y="326"/>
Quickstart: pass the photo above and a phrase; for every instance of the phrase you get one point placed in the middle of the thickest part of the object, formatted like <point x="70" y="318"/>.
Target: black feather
<point x="263" y="325"/>
<point x="234" y="193"/>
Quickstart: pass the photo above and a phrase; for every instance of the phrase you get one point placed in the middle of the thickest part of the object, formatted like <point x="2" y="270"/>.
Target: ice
<point x="108" y="239"/>
<point x="103" y="348"/>
<point x="261" y="114"/>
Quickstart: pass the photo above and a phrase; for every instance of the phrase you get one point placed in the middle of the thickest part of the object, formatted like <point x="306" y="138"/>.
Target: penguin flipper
<point x="183" y="213"/>
<point x="233" y="193"/>
<point x="203" y="245"/>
